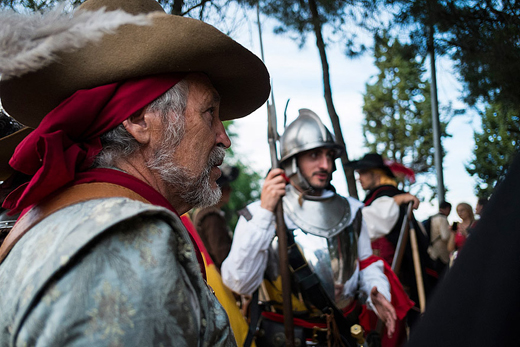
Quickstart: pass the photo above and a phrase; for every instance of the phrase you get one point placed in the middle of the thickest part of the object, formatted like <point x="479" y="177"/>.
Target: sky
<point x="296" y="75"/>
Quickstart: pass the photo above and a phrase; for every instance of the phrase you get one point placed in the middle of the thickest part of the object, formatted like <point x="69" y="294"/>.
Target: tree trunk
<point x="349" y="173"/>
<point x="177" y="7"/>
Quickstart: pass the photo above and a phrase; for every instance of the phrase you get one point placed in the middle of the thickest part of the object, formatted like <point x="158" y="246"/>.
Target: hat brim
<point x="370" y="165"/>
<point x="361" y="165"/>
<point x="8" y="145"/>
<point x="171" y="44"/>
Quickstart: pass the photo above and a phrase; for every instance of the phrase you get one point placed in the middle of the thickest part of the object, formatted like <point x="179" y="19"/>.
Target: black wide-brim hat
<point x="170" y="44"/>
<point x="371" y="161"/>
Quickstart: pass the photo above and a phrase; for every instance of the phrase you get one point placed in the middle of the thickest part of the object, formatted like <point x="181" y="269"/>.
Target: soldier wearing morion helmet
<point x="328" y="230"/>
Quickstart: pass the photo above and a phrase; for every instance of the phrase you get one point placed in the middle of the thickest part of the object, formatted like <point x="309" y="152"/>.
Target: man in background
<point x="325" y="230"/>
<point x="439" y="236"/>
<point x="385" y="204"/>
<point x="385" y="212"/>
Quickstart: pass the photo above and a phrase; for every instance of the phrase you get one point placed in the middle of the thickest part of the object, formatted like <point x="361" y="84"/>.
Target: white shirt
<point x="381" y="216"/>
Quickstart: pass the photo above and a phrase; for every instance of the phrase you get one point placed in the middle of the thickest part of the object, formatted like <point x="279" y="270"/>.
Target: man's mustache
<point x="321" y="172"/>
<point x="216" y="156"/>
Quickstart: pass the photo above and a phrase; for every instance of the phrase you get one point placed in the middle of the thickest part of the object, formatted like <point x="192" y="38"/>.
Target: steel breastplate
<point x="333" y="260"/>
<point x="330" y="253"/>
<point x="320" y="216"/>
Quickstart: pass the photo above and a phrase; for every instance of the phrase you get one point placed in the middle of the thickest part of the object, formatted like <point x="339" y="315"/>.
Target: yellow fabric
<point x="274" y="291"/>
<point x="227" y="300"/>
<point x="384" y="179"/>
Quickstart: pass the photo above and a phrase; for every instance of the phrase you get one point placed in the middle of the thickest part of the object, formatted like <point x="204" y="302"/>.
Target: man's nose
<point x="222" y="136"/>
<point x="325" y="163"/>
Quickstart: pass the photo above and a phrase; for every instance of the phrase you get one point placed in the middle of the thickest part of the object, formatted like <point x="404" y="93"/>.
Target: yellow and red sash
<point x="224" y="295"/>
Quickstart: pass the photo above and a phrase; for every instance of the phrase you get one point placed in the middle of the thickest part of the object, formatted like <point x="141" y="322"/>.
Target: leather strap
<point x="67" y="197"/>
<point x="254" y="314"/>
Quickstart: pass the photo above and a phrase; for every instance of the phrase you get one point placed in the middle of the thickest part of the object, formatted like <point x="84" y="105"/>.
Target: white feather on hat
<point x="170" y="44"/>
<point x="28" y="41"/>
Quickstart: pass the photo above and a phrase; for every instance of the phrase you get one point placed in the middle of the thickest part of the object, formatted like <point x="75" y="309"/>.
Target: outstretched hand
<point x="385" y="310"/>
<point x="273" y="189"/>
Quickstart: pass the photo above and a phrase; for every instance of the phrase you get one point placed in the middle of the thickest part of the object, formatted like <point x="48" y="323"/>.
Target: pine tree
<point x="397" y="107"/>
<point x="495" y="147"/>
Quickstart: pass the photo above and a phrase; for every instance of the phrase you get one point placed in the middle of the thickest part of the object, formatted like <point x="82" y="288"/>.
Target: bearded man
<point x="211" y="223"/>
<point x="128" y="135"/>
<point x="331" y="234"/>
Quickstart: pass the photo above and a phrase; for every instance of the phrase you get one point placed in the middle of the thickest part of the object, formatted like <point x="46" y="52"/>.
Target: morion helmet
<point x="305" y="133"/>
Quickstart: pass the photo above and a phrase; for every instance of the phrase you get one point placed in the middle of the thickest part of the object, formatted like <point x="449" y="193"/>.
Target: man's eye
<point x="209" y="114"/>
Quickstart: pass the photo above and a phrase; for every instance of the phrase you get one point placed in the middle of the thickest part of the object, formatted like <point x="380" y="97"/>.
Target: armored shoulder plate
<point x="324" y="217"/>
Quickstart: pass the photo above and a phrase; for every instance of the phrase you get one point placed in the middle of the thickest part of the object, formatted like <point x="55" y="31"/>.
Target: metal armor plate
<point x="320" y="216"/>
<point x="326" y="240"/>
<point x="333" y="260"/>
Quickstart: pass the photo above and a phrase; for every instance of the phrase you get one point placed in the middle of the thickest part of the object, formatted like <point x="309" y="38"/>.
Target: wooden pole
<point x="281" y="232"/>
<point x="402" y="241"/>
<point x="418" y="271"/>
<point x="281" y="229"/>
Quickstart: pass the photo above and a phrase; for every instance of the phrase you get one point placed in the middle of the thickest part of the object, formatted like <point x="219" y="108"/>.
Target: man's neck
<point x="180" y="205"/>
<point x="316" y="192"/>
<point x="311" y="192"/>
<point x="140" y="171"/>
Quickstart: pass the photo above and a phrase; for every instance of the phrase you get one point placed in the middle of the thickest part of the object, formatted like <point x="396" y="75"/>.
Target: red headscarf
<point x="67" y="139"/>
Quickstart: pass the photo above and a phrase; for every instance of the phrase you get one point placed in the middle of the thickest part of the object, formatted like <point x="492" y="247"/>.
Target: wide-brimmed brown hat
<point x="170" y="44"/>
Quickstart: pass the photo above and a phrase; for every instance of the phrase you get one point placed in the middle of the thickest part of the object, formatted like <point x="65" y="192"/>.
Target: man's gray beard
<point x="194" y="190"/>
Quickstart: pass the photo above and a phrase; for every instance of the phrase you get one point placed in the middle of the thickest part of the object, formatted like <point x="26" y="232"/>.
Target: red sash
<point x="400" y="301"/>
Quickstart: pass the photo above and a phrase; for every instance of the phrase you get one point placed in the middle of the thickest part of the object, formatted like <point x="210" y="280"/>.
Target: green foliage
<point x="397" y="107"/>
<point x="495" y="147"/>
<point x="482" y="37"/>
<point x="245" y="189"/>
<point x="485" y="41"/>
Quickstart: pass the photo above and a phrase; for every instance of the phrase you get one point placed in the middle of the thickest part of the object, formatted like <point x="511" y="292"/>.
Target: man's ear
<point x="139" y="126"/>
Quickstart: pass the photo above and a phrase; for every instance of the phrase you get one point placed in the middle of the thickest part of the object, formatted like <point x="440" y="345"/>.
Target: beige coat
<point x="439" y="235"/>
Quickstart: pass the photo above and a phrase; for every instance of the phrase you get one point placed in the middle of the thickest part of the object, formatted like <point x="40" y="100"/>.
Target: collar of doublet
<point x="325" y="215"/>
